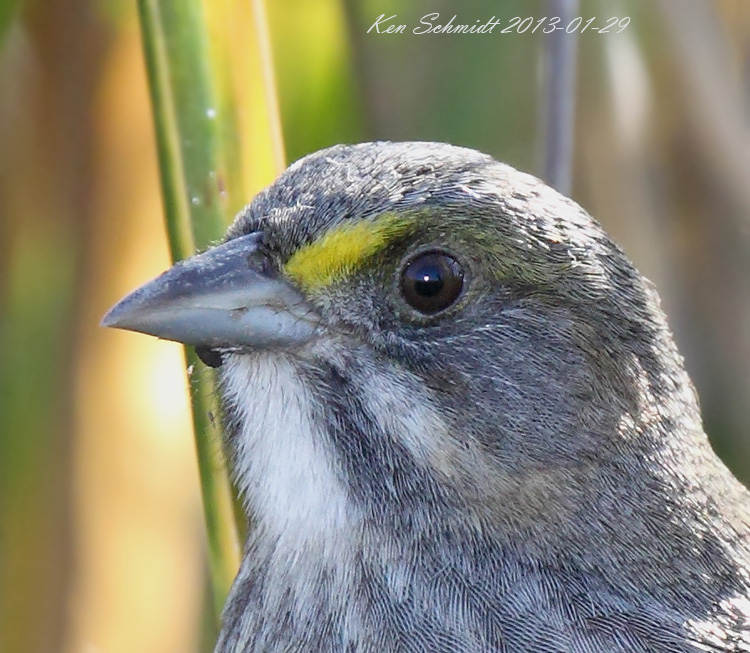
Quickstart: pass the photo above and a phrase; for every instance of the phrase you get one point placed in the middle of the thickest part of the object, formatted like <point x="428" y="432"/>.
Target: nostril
<point x="261" y="263"/>
<point x="258" y="259"/>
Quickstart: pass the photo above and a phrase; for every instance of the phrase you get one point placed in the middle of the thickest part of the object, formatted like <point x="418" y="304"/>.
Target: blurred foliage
<point x="318" y="96"/>
<point x="100" y="540"/>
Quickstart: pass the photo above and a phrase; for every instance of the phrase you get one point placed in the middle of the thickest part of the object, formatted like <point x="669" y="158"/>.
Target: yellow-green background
<point x="101" y="535"/>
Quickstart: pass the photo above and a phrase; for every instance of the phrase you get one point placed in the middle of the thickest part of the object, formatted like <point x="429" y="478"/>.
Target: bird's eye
<point x="432" y="282"/>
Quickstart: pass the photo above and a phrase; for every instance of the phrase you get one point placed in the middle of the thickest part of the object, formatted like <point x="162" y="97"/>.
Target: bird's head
<point x="449" y="334"/>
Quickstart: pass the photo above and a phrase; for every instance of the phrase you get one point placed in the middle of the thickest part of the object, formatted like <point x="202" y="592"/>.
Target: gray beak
<point x="226" y="297"/>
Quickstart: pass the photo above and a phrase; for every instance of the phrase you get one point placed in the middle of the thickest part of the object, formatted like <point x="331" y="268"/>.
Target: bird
<point x="457" y="418"/>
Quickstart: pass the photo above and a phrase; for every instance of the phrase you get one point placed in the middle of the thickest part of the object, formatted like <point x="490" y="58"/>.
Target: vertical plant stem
<point x="198" y="203"/>
<point x="560" y="57"/>
<point x="269" y="83"/>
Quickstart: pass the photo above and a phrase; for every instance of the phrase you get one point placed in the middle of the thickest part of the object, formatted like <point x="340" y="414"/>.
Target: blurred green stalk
<point x="202" y="189"/>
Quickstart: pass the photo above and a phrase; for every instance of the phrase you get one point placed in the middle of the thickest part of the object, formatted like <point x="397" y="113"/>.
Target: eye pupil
<point x="429" y="283"/>
<point x="432" y="282"/>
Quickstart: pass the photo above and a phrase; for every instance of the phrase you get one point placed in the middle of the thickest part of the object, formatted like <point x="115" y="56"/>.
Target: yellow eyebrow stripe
<point x="341" y="250"/>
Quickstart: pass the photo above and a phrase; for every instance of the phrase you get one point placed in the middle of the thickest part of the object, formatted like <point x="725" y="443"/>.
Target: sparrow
<point x="457" y="418"/>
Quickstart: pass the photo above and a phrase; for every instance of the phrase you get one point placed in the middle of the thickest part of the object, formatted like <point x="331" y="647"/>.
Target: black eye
<point x="432" y="282"/>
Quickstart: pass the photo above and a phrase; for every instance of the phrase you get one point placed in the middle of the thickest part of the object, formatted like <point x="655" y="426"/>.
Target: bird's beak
<point x="225" y="297"/>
